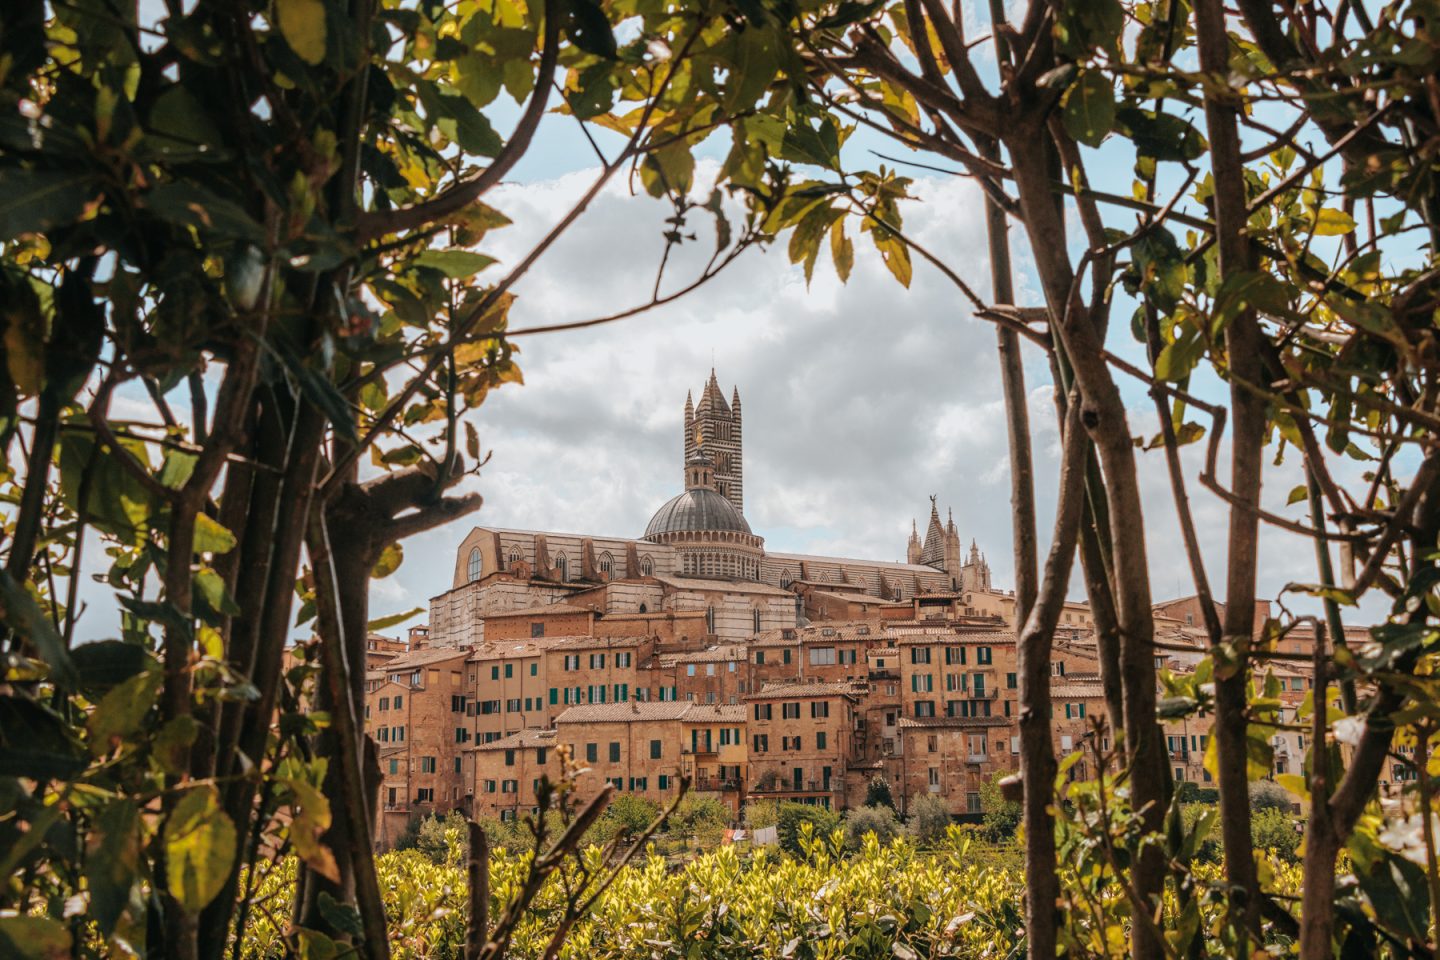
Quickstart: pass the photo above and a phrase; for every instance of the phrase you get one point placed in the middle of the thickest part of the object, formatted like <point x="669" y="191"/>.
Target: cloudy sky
<point x="861" y="399"/>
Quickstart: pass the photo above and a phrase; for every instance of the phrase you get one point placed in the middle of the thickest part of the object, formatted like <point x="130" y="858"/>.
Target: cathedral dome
<point x="697" y="510"/>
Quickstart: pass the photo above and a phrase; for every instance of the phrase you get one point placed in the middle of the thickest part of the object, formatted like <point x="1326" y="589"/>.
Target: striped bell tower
<point x="716" y="425"/>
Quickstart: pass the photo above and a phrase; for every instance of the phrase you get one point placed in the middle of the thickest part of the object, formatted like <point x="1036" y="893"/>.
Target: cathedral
<point x="698" y="553"/>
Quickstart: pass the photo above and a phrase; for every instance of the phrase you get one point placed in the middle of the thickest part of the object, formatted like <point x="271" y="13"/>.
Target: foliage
<point x="867" y="821"/>
<point x="877" y="793"/>
<point x="1276" y="832"/>
<point x="761" y="813"/>
<point x="702" y="817"/>
<point x="928" y="819"/>
<point x="1269" y="795"/>
<point x="441" y="837"/>
<point x="1001" y="816"/>
<point x="794" y="820"/>
<point x="626" y="815"/>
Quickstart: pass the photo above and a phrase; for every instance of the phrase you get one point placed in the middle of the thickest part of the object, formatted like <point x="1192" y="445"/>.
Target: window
<point x="623" y="659"/>
<point x="919" y="654"/>
<point x="789" y="711"/>
<point x="537" y="629"/>
<point x="427" y="764"/>
<point x="762" y="742"/>
<point x="509" y="670"/>
<point x="474" y="570"/>
<point x="954" y="655"/>
<point x="1011" y="681"/>
<point x="763" y="711"/>
<point x="760" y="658"/>
<point x="924" y="708"/>
<point x="664" y="782"/>
<point x="384" y="703"/>
<point x="572" y="661"/>
<point x="457" y="764"/>
<point x="510" y="786"/>
<point x="819" y="708"/>
<point x="398" y="701"/>
<point x="654" y="749"/>
<point x="922" y="682"/>
<point x="972" y="802"/>
<point x="462" y="735"/>
<point x="614" y="752"/>
<point x="982" y="655"/>
<point x="709" y="619"/>
<point x="597" y="661"/>
<point x="592" y="752"/>
<point x="606" y="563"/>
<point x="934" y="776"/>
<point x="490" y="786"/>
<point x="820" y="740"/>
<point x="689" y="669"/>
<point x="509" y="758"/>
<point x="646" y="568"/>
<point x="425" y="795"/>
<point x="495" y="672"/>
<point x="785" y="656"/>
<point x="755" y="623"/>
<point x="822" y="656"/>
<point x="562" y="567"/>
<point x="394" y="765"/>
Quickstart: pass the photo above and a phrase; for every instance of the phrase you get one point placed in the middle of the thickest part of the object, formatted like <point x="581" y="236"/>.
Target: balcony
<point x="789" y="787"/>
<point x="978" y="758"/>
<point x="699" y="751"/>
<point x="716" y="785"/>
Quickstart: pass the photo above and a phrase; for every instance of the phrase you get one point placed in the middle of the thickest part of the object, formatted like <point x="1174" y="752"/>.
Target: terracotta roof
<point x="953" y="637"/>
<point x="952" y="722"/>
<point x="585" y="642"/>
<point x="1082" y="689"/>
<point x="883" y="652"/>
<point x="776" y="690"/>
<point x="632" y="712"/>
<point x="421" y="658"/>
<point x="714" y="713"/>
<point x="718" y="654"/>
<point x="538" y="611"/>
<point x="525" y="738"/>
<point x="727" y="586"/>
<point x="499" y="650"/>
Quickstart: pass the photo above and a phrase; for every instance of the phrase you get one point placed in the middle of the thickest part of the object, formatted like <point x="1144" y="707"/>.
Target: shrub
<point x="1209" y="850"/>
<point x="929" y="818"/>
<point x="877" y="793"/>
<point x="703" y="818"/>
<point x="627" y="813"/>
<point x="1002" y="816"/>
<point x="790" y="816"/>
<point x="1269" y="795"/>
<point x="761" y="813"/>
<point x="442" y="839"/>
<point x="1274" y="830"/>
<point x="879" y="820"/>
<point x="1191" y="792"/>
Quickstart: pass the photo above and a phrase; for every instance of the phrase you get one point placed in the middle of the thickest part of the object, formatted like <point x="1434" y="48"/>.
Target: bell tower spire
<point x="716" y="425"/>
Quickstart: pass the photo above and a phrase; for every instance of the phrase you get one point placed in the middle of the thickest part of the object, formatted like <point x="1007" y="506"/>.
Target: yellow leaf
<point x="199" y="848"/>
<point x="303" y="24"/>
<point x="1333" y="223"/>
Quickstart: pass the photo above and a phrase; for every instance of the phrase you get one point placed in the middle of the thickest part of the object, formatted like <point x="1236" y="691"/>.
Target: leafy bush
<point x="929" y="818"/>
<point x="823" y="820"/>
<point x="442" y="839"/>
<point x="879" y="820"/>
<point x="1275" y="831"/>
<point x="703" y="818"/>
<point x="761" y="813"/>
<point x="1269" y="795"/>
<point x="877" y="793"/>
<point x="1002" y="817"/>
<point x="627" y="814"/>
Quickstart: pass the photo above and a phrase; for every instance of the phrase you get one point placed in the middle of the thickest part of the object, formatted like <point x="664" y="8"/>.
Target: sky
<point x="861" y="399"/>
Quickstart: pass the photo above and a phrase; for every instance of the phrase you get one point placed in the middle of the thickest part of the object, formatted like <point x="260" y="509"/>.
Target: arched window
<point x="757" y="620"/>
<point x="709" y="619"/>
<point x="514" y="556"/>
<point x="644" y="608"/>
<point x="785" y="580"/>
<point x="474" y="570"/>
<point x="646" y="567"/>
<point x="606" y="563"/>
<point x="563" y="566"/>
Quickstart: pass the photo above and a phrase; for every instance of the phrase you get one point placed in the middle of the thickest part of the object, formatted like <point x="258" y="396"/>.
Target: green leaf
<point x="33" y="201"/>
<point x="341" y="916"/>
<point x="1297" y="494"/>
<point x="199" y="848"/>
<point x="211" y="586"/>
<point x="122" y="711"/>
<point x="455" y="264"/>
<point x="390" y="559"/>
<point x="384" y="623"/>
<point x="211" y="537"/>
<point x="20" y="612"/>
<point x="302" y="22"/>
<point x="34" y="938"/>
<point x="191" y="205"/>
<point x="1089" y="108"/>
<point x="104" y="663"/>
<point x="112" y="862"/>
<point x="589" y="28"/>
<point x="180" y="115"/>
<point x="1333" y="223"/>
<point x="473" y="131"/>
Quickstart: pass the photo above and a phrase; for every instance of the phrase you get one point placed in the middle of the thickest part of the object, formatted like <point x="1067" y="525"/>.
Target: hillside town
<point x="694" y="653"/>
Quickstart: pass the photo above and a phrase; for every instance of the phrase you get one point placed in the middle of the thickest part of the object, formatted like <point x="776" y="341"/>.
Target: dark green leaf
<point x="20" y="612"/>
<point x="33" y="201"/>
